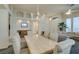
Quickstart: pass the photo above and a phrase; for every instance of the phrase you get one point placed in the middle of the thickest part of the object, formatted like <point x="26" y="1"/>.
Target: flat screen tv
<point x="24" y="25"/>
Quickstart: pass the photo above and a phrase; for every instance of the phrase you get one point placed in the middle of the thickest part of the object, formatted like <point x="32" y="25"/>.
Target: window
<point x="68" y="23"/>
<point x="76" y="24"/>
<point x="73" y="25"/>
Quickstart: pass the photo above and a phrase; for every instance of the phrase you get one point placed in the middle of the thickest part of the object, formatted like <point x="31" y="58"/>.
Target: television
<point x="24" y="25"/>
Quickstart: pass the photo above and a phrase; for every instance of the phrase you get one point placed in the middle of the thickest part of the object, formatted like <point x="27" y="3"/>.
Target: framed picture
<point x="24" y="25"/>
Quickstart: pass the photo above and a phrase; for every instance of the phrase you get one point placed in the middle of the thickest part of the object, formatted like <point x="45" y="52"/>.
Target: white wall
<point x="44" y="24"/>
<point x="4" y="38"/>
<point x="16" y="25"/>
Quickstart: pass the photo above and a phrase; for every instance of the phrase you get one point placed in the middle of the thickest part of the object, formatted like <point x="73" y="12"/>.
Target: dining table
<point x="38" y="44"/>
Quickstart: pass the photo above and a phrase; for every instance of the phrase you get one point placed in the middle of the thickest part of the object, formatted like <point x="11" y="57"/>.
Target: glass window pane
<point x="76" y="24"/>
<point x="68" y="23"/>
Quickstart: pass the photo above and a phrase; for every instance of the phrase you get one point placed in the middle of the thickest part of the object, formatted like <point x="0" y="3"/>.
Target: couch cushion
<point x="65" y="44"/>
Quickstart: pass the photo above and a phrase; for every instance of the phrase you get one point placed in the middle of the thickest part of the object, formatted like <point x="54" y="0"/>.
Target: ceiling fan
<point x="71" y="9"/>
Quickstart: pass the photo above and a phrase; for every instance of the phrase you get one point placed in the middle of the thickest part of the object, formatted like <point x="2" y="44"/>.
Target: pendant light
<point x="69" y="10"/>
<point x="38" y="14"/>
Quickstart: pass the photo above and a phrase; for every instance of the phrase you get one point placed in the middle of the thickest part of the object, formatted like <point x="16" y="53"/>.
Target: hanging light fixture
<point x="38" y="14"/>
<point x="69" y="10"/>
<point x="32" y="16"/>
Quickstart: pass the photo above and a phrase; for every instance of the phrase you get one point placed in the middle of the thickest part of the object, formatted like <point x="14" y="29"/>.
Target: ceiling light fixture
<point x="50" y="19"/>
<point x="68" y="12"/>
<point x="38" y="14"/>
<point x="19" y="21"/>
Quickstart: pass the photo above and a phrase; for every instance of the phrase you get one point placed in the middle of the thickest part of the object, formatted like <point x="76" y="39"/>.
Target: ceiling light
<point x="50" y="19"/>
<point x="19" y="21"/>
<point x="68" y="12"/>
<point x="38" y="13"/>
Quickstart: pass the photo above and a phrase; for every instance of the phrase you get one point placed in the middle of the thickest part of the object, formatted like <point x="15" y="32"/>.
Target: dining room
<point x="38" y="28"/>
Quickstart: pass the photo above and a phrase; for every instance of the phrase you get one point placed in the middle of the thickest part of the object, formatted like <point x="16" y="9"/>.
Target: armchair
<point x="65" y="46"/>
<point x="16" y="42"/>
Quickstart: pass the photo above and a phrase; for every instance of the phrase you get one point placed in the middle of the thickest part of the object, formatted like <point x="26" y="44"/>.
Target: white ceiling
<point x="44" y="8"/>
<point x="2" y="6"/>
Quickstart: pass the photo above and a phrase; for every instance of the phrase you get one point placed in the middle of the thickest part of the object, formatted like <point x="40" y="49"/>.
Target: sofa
<point x="65" y="46"/>
<point x="64" y="42"/>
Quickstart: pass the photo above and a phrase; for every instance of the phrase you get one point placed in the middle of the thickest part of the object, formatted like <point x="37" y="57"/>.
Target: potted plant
<point x="62" y="26"/>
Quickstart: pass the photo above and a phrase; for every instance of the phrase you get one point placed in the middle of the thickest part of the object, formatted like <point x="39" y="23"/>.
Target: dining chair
<point x="17" y="45"/>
